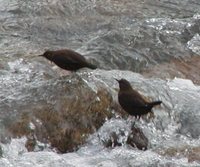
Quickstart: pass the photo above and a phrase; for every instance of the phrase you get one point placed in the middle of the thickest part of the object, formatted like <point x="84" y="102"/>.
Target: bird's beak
<point x="40" y="55"/>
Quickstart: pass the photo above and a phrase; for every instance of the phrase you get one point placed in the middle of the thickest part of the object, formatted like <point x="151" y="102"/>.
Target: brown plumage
<point x="68" y="59"/>
<point x="132" y="102"/>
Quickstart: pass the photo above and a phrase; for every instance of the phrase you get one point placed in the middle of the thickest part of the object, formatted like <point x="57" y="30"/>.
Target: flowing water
<point x="122" y="35"/>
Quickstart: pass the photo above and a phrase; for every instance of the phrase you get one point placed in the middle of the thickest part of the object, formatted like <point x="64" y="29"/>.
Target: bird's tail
<point x="152" y="104"/>
<point x="91" y="66"/>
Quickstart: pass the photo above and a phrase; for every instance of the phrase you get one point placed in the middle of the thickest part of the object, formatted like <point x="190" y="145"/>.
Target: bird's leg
<point x="130" y="118"/>
<point x="134" y="121"/>
<point x="138" y="118"/>
<point x="133" y="124"/>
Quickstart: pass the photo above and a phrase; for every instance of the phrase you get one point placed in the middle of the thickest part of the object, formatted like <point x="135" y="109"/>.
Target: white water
<point x="94" y="154"/>
<point x="106" y="28"/>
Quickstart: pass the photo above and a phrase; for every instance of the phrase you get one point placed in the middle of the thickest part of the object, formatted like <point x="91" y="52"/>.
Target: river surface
<point x="156" y="38"/>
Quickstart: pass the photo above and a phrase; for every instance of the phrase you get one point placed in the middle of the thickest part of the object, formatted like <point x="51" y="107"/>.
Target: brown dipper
<point x="132" y="102"/>
<point x="68" y="59"/>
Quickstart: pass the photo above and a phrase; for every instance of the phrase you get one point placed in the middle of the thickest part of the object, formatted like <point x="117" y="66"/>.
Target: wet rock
<point x="194" y="155"/>
<point x="65" y="113"/>
<point x="187" y="68"/>
<point x="183" y="111"/>
<point x="62" y="112"/>
<point x="31" y="143"/>
<point x="175" y="152"/>
<point x="116" y="132"/>
<point x="114" y="140"/>
<point x="113" y="133"/>
<point x="191" y="153"/>
<point x="137" y="139"/>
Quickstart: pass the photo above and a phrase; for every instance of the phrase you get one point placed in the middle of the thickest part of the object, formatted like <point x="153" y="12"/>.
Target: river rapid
<point x="155" y="44"/>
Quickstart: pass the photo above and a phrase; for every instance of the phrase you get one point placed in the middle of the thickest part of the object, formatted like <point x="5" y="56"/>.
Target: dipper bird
<point x="132" y="102"/>
<point x="68" y="59"/>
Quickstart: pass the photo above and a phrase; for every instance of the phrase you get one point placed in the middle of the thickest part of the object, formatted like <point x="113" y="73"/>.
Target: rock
<point x="187" y="68"/>
<point x="113" y="132"/>
<point x="117" y="132"/>
<point x="62" y="112"/>
<point x="192" y="153"/>
<point x="137" y="139"/>
<point x="113" y="140"/>
<point x="31" y="143"/>
<point x="67" y="111"/>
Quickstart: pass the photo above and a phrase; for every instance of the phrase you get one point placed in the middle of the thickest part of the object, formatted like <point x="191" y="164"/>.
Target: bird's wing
<point x="74" y="56"/>
<point x="131" y="100"/>
<point x="64" y="59"/>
